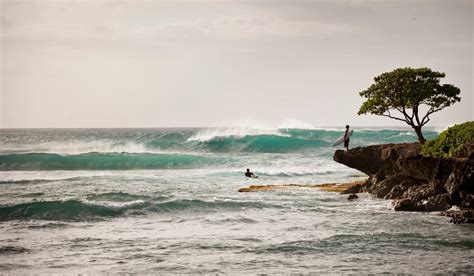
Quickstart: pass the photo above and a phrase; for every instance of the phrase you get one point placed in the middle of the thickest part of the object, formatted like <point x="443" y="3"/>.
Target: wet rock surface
<point x="413" y="181"/>
<point x="352" y="197"/>
<point x="460" y="216"/>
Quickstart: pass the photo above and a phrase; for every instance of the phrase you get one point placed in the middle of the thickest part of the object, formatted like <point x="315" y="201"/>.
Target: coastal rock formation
<point x="460" y="216"/>
<point x="413" y="181"/>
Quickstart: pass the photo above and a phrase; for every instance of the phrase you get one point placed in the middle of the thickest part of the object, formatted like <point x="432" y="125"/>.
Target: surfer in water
<point x="346" y="138"/>
<point x="250" y="174"/>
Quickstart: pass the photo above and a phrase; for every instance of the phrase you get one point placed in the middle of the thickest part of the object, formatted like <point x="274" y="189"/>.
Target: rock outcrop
<point x="460" y="216"/>
<point x="413" y="181"/>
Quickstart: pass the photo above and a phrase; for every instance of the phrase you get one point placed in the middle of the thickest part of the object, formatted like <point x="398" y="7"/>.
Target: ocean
<point x="167" y="201"/>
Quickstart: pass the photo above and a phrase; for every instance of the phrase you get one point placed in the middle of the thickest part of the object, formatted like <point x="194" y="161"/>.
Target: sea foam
<point x="217" y="133"/>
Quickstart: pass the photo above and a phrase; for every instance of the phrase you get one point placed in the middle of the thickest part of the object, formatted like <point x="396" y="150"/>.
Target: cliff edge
<point x="413" y="181"/>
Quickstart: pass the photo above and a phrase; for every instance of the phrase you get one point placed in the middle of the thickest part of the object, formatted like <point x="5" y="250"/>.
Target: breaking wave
<point x="261" y="143"/>
<point x="102" y="161"/>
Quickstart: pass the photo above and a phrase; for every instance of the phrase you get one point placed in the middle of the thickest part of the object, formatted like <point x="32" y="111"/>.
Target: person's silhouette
<point x="346" y="138"/>
<point x="250" y="174"/>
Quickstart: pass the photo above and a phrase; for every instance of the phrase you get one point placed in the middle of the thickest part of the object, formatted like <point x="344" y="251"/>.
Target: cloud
<point x="98" y="21"/>
<point x="164" y="60"/>
<point x="245" y="27"/>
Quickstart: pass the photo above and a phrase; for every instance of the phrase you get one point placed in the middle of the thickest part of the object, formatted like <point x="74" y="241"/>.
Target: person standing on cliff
<point x="346" y="138"/>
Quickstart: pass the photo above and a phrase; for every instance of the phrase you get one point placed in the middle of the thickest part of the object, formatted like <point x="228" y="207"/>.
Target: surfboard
<point x="340" y="140"/>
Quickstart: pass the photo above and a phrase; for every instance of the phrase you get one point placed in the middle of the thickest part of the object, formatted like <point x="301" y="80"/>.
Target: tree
<point x="404" y="91"/>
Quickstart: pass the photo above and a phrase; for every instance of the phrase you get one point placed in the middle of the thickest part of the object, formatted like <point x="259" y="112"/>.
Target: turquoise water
<point x="166" y="200"/>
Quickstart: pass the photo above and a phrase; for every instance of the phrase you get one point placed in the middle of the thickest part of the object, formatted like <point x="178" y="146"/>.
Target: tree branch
<point x="402" y="110"/>
<point x="415" y="111"/>
<point x="426" y="117"/>
<point x="407" y="118"/>
<point x="424" y="123"/>
<point x="436" y="110"/>
<point x="392" y="117"/>
<point x="430" y="111"/>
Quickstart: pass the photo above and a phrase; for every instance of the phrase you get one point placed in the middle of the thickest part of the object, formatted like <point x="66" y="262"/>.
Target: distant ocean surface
<point x="166" y="201"/>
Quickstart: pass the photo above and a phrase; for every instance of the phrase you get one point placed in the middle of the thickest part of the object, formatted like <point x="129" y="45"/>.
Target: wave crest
<point x="262" y="143"/>
<point x="101" y="161"/>
<point x="233" y="133"/>
<point x="89" y="210"/>
<point x="71" y="210"/>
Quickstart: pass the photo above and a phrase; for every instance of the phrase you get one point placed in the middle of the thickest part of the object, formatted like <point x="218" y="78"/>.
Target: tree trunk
<point x="421" y="139"/>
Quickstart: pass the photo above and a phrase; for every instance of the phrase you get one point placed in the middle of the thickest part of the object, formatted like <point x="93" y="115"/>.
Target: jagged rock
<point x="415" y="182"/>
<point x="400" y="189"/>
<point x="405" y="204"/>
<point x="421" y="191"/>
<point x="374" y="179"/>
<point x="382" y="188"/>
<point x="430" y="204"/>
<point x="460" y="216"/>
<point x="438" y="202"/>
<point x="352" y="197"/>
<point x="460" y="184"/>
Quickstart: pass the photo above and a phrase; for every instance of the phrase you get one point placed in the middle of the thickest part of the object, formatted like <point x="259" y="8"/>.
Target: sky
<point x="198" y="63"/>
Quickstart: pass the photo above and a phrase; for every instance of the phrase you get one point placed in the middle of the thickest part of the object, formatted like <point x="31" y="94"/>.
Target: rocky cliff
<point x="413" y="181"/>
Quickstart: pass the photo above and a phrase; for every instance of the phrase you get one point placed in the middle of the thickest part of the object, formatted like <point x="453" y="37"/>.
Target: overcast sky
<point x="102" y="63"/>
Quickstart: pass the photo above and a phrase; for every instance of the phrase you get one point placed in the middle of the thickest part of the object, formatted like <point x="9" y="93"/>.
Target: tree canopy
<point x="399" y="94"/>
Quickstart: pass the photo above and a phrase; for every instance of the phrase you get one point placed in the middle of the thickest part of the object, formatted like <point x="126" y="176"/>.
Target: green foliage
<point x="451" y="141"/>
<point x="403" y="91"/>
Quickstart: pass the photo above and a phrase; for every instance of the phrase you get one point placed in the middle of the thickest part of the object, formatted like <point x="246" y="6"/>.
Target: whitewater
<point x="167" y="201"/>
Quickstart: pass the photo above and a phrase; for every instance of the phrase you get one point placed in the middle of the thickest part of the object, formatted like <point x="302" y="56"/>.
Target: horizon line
<point x="201" y="127"/>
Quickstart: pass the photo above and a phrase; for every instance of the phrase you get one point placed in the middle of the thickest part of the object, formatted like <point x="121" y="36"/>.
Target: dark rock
<point x="384" y="187"/>
<point x="405" y="204"/>
<point x="431" y="204"/>
<point x="467" y="200"/>
<point x="374" y="179"/>
<point x="398" y="190"/>
<point x="460" y="184"/>
<point x="438" y="202"/>
<point x="421" y="191"/>
<point x="422" y="198"/>
<point x="355" y="189"/>
<point x="352" y="197"/>
<point x="460" y="216"/>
